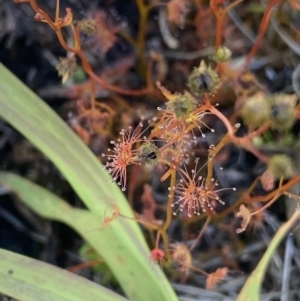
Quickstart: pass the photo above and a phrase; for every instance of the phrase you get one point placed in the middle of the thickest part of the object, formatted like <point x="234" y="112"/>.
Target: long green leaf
<point x="38" y="123"/>
<point x="251" y="289"/>
<point x="84" y="222"/>
<point x="28" y="279"/>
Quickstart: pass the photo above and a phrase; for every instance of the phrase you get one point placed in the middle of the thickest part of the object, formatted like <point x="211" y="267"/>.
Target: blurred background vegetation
<point x="30" y="50"/>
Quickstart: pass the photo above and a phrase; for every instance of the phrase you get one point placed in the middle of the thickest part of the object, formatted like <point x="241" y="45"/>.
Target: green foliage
<point x="123" y="239"/>
<point x="251" y="289"/>
<point x="28" y="279"/>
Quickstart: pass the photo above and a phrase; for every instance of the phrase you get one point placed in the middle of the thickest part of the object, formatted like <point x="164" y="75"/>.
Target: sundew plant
<point x="177" y="129"/>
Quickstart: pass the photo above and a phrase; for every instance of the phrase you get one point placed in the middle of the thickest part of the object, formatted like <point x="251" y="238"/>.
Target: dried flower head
<point x="181" y="114"/>
<point x="203" y="80"/>
<point x="177" y="11"/>
<point x="245" y="215"/>
<point x="194" y="195"/>
<point x="87" y="26"/>
<point x="278" y="110"/>
<point x="280" y="166"/>
<point x="182" y="105"/>
<point x="282" y="111"/>
<point x="256" y="110"/>
<point x="66" y="68"/>
<point x="123" y="154"/>
<point x="105" y="31"/>
<point x="182" y="257"/>
<point x="267" y="180"/>
<point x="214" y="278"/>
<point x="67" y="20"/>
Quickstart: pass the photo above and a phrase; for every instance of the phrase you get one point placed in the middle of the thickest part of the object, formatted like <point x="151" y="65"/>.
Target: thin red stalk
<point x="275" y="197"/>
<point x="200" y="234"/>
<point x="262" y="29"/>
<point x="85" y="64"/>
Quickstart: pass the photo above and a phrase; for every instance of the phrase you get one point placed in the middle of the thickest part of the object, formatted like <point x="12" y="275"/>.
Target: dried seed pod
<point x="182" y="257"/>
<point x="223" y="54"/>
<point x="87" y="26"/>
<point x="203" y="80"/>
<point x="282" y="111"/>
<point x="267" y="181"/>
<point x="256" y="110"/>
<point x="66" y="68"/>
<point x="280" y="166"/>
<point x="245" y="215"/>
<point x="182" y="105"/>
<point x="214" y="278"/>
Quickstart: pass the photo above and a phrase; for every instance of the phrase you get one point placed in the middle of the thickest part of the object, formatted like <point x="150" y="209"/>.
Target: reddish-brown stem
<point x="43" y="14"/>
<point x="219" y="26"/>
<point x="220" y="14"/>
<point x="219" y="31"/>
<point x="167" y="223"/>
<point x="198" y="270"/>
<point x="57" y="11"/>
<point x="157" y="240"/>
<point x="262" y="29"/>
<point x="200" y="234"/>
<point x="267" y="197"/>
<point x="85" y="64"/>
<point x="291" y="195"/>
<point x="211" y="155"/>
<point x="275" y="197"/>
<point x="147" y="224"/>
<point x="84" y="265"/>
<point x="244" y="142"/>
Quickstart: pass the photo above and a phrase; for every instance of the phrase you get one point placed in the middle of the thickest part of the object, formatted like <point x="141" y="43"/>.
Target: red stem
<point x="262" y="29"/>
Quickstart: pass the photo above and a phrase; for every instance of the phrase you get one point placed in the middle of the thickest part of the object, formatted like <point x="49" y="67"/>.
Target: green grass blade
<point x="28" y="279"/>
<point x="49" y="206"/>
<point x="38" y="123"/>
<point x="84" y="222"/>
<point x="252" y="287"/>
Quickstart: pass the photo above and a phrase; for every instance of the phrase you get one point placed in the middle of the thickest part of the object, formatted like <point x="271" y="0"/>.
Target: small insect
<point x="148" y="153"/>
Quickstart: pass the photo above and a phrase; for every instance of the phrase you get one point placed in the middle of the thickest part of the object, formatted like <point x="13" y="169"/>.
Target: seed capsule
<point x="203" y="80"/>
